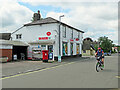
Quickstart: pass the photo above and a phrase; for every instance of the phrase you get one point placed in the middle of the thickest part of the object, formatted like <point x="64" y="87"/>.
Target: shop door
<point x="50" y="52"/>
<point x="50" y="48"/>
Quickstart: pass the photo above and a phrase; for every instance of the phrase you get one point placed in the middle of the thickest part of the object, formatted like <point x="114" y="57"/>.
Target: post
<point x="59" y="56"/>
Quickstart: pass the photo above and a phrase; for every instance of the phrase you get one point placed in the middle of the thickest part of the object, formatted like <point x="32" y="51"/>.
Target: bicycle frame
<point x="99" y="63"/>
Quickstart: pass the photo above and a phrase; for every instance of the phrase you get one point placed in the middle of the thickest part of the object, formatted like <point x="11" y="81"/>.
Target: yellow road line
<point x="117" y="76"/>
<point x="35" y="71"/>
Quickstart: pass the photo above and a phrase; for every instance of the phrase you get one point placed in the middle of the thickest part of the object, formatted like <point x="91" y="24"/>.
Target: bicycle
<point x="99" y="64"/>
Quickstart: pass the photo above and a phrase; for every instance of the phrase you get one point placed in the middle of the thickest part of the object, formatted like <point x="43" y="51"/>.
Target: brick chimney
<point x="36" y="16"/>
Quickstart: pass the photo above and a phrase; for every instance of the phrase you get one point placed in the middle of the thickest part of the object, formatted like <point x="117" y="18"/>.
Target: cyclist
<point x="100" y="53"/>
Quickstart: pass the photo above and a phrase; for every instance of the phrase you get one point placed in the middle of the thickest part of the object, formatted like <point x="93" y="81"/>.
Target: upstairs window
<point x="72" y="34"/>
<point x="78" y="35"/>
<point x="18" y="36"/>
<point x="64" y="31"/>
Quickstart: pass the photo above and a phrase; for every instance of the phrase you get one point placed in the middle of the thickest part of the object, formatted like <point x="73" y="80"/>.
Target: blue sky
<point x="44" y="9"/>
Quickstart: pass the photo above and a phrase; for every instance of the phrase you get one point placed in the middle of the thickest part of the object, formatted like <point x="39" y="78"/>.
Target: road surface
<point x="73" y="74"/>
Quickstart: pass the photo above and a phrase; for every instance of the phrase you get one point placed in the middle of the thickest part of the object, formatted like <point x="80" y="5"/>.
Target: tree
<point x="96" y="47"/>
<point x="105" y="43"/>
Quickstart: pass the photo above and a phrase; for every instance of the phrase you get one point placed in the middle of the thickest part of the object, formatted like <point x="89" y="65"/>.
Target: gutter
<point x="17" y="30"/>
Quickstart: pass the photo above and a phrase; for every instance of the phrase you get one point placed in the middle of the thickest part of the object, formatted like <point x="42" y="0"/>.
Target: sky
<point x="96" y="18"/>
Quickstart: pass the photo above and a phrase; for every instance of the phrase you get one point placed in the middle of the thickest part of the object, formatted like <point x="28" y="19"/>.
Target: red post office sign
<point x="48" y="33"/>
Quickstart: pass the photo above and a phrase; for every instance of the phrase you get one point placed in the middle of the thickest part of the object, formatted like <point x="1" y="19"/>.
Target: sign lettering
<point x="43" y="38"/>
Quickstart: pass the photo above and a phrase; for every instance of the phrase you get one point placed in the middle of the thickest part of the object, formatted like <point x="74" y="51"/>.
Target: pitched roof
<point x="14" y="43"/>
<point x="5" y="36"/>
<point x="42" y="21"/>
<point x="48" y="21"/>
<point x="88" y="39"/>
<point x="88" y="47"/>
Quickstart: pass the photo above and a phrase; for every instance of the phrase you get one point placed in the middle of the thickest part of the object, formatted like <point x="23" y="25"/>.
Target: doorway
<point x="50" y="52"/>
<point x="20" y="51"/>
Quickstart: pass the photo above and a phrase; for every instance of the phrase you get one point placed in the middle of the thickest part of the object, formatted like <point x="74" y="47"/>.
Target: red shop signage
<point x="43" y="38"/>
<point x="71" y="40"/>
<point x="48" y="33"/>
<point x="77" y="39"/>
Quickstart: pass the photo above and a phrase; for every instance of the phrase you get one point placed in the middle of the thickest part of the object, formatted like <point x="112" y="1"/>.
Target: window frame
<point x="64" y="30"/>
<point x="18" y="36"/>
<point x="78" y="35"/>
<point x="72" y="34"/>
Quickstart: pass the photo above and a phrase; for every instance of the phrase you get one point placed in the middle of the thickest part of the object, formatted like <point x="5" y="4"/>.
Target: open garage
<point x="20" y="51"/>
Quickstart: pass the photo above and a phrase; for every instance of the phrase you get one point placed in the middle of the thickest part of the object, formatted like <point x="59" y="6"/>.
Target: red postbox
<point x="45" y="55"/>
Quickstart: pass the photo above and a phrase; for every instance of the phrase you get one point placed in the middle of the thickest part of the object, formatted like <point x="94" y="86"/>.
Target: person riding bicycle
<point x="100" y="53"/>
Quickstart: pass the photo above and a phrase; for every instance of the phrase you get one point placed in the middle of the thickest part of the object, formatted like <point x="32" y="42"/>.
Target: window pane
<point x="19" y="36"/>
<point x="43" y="45"/>
<point x="16" y="36"/>
<point x="72" y="34"/>
<point x="64" y="31"/>
<point x="78" y="35"/>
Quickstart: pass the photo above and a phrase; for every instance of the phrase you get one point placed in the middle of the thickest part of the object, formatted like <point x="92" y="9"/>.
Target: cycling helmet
<point x="99" y="48"/>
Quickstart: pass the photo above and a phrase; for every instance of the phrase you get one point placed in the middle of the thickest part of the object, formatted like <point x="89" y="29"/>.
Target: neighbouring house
<point x="43" y="34"/>
<point x="88" y="48"/>
<point x="5" y="48"/>
<point x="115" y="49"/>
<point x="10" y="48"/>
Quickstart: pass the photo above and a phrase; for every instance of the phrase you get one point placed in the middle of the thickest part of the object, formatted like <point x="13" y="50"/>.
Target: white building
<point x="44" y="35"/>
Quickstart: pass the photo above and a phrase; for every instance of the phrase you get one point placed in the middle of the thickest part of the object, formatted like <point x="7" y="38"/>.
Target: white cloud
<point x="96" y="19"/>
<point x="13" y="16"/>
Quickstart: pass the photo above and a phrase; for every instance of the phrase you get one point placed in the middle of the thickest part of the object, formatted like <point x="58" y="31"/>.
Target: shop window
<point x="65" y="48"/>
<point x="77" y="49"/>
<point x="71" y="48"/>
<point x="18" y="36"/>
<point x="36" y="52"/>
<point x="84" y="51"/>
<point x="43" y="45"/>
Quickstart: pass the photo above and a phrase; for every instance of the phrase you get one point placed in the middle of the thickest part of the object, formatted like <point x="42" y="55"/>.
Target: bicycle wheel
<point x="97" y="67"/>
<point x="102" y="67"/>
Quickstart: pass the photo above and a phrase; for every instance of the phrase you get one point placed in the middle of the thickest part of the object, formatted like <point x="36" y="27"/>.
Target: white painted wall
<point x="68" y="37"/>
<point x="32" y="33"/>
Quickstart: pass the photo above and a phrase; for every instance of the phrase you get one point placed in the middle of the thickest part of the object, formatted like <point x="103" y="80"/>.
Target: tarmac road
<point x="73" y="74"/>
